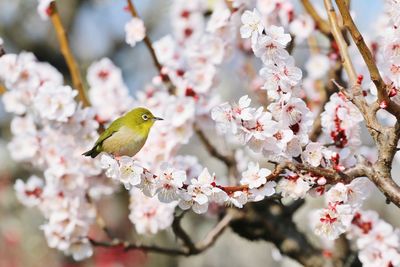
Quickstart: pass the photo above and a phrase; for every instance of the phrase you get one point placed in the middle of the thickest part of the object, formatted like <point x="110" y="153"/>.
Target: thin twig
<point x="337" y="34"/>
<point x="67" y="53"/>
<point x="199" y="247"/>
<point x="148" y="43"/>
<point x="322" y="24"/>
<point x="212" y="150"/>
<point x="217" y="231"/>
<point x="2" y="89"/>
<point x="368" y="58"/>
<point x="181" y="233"/>
<point x="133" y="246"/>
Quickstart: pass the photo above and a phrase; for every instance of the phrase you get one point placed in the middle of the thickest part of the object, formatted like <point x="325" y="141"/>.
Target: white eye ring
<point x="145" y="117"/>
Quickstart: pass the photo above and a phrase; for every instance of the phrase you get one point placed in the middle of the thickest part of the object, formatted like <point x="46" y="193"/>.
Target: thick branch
<point x="267" y="221"/>
<point x="387" y="186"/>
<point x="368" y="58"/>
<point x="67" y="53"/>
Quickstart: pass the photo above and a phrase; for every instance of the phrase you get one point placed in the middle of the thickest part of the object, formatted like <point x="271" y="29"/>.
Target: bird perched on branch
<point x="126" y="135"/>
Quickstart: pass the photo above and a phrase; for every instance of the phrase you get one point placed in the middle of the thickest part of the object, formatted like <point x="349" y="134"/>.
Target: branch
<point x="133" y="246"/>
<point x="368" y="58"/>
<point x="327" y="91"/>
<point x="2" y="87"/>
<point x="337" y="34"/>
<point x="212" y="150"/>
<point x="66" y="51"/>
<point x="149" y="46"/>
<point x="181" y="233"/>
<point x="266" y="220"/>
<point x="218" y="230"/>
<point x="387" y="186"/>
<point x="198" y="248"/>
<point x="322" y="25"/>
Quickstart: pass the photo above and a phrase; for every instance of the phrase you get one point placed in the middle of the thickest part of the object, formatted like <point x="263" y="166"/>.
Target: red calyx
<point x="383" y="104"/>
<point x="360" y="79"/>
<point x="393" y="92"/>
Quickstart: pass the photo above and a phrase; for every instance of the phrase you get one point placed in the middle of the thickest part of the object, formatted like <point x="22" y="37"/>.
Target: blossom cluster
<point x="108" y="93"/>
<point x="343" y="202"/>
<point x="341" y="125"/>
<point x="172" y="185"/>
<point x="50" y="131"/>
<point x="390" y="56"/>
<point x="280" y="132"/>
<point x="378" y="242"/>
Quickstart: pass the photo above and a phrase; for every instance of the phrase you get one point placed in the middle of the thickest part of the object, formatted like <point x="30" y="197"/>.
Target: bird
<point x="126" y="135"/>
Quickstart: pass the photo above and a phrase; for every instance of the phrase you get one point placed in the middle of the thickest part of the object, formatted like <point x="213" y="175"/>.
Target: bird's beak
<point x="158" y="119"/>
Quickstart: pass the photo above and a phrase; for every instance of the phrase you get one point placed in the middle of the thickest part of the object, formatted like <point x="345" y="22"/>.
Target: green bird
<point x="126" y="135"/>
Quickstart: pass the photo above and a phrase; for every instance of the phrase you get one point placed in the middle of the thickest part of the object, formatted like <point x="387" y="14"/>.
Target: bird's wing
<point x="112" y="129"/>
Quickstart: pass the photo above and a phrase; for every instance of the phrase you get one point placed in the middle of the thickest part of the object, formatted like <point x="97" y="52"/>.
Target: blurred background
<point x="96" y="30"/>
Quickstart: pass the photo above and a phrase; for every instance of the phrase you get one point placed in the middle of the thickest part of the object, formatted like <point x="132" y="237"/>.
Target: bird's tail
<point x="92" y="153"/>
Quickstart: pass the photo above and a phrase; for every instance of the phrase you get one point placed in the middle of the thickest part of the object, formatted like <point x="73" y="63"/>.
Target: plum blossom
<point x="317" y="66"/>
<point x="55" y="103"/>
<point x="43" y="9"/>
<point x="165" y="49"/>
<point x="333" y="221"/>
<point x="302" y="27"/>
<point x="238" y="199"/>
<point x="198" y="193"/>
<point x="392" y="7"/>
<point x="392" y="70"/>
<point x="280" y="77"/>
<point x="23" y="147"/>
<point x="148" y="214"/>
<point x="29" y="193"/>
<point x="170" y="180"/>
<point x="219" y="19"/>
<point x="252" y="24"/>
<point x="270" y="47"/>
<point x="135" y="31"/>
<point x="129" y="172"/>
<point x="223" y="116"/>
<point x="266" y="190"/>
<point x="293" y="186"/>
<point x="313" y="154"/>
<point x="255" y="176"/>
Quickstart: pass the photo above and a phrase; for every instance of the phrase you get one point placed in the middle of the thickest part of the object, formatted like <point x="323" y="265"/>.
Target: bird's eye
<point x="145" y="117"/>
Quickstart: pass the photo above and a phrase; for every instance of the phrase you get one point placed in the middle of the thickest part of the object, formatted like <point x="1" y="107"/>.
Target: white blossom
<point x="134" y="31"/>
<point x="255" y="176"/>
<point x="55" y="102"/>
<point x="252" y="24"/>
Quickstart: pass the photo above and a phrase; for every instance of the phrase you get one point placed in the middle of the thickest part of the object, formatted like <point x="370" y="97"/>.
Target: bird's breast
<point x="125" y="142"/>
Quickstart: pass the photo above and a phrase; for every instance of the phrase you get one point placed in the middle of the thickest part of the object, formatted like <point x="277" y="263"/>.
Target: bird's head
<point x="142" y="117"/>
